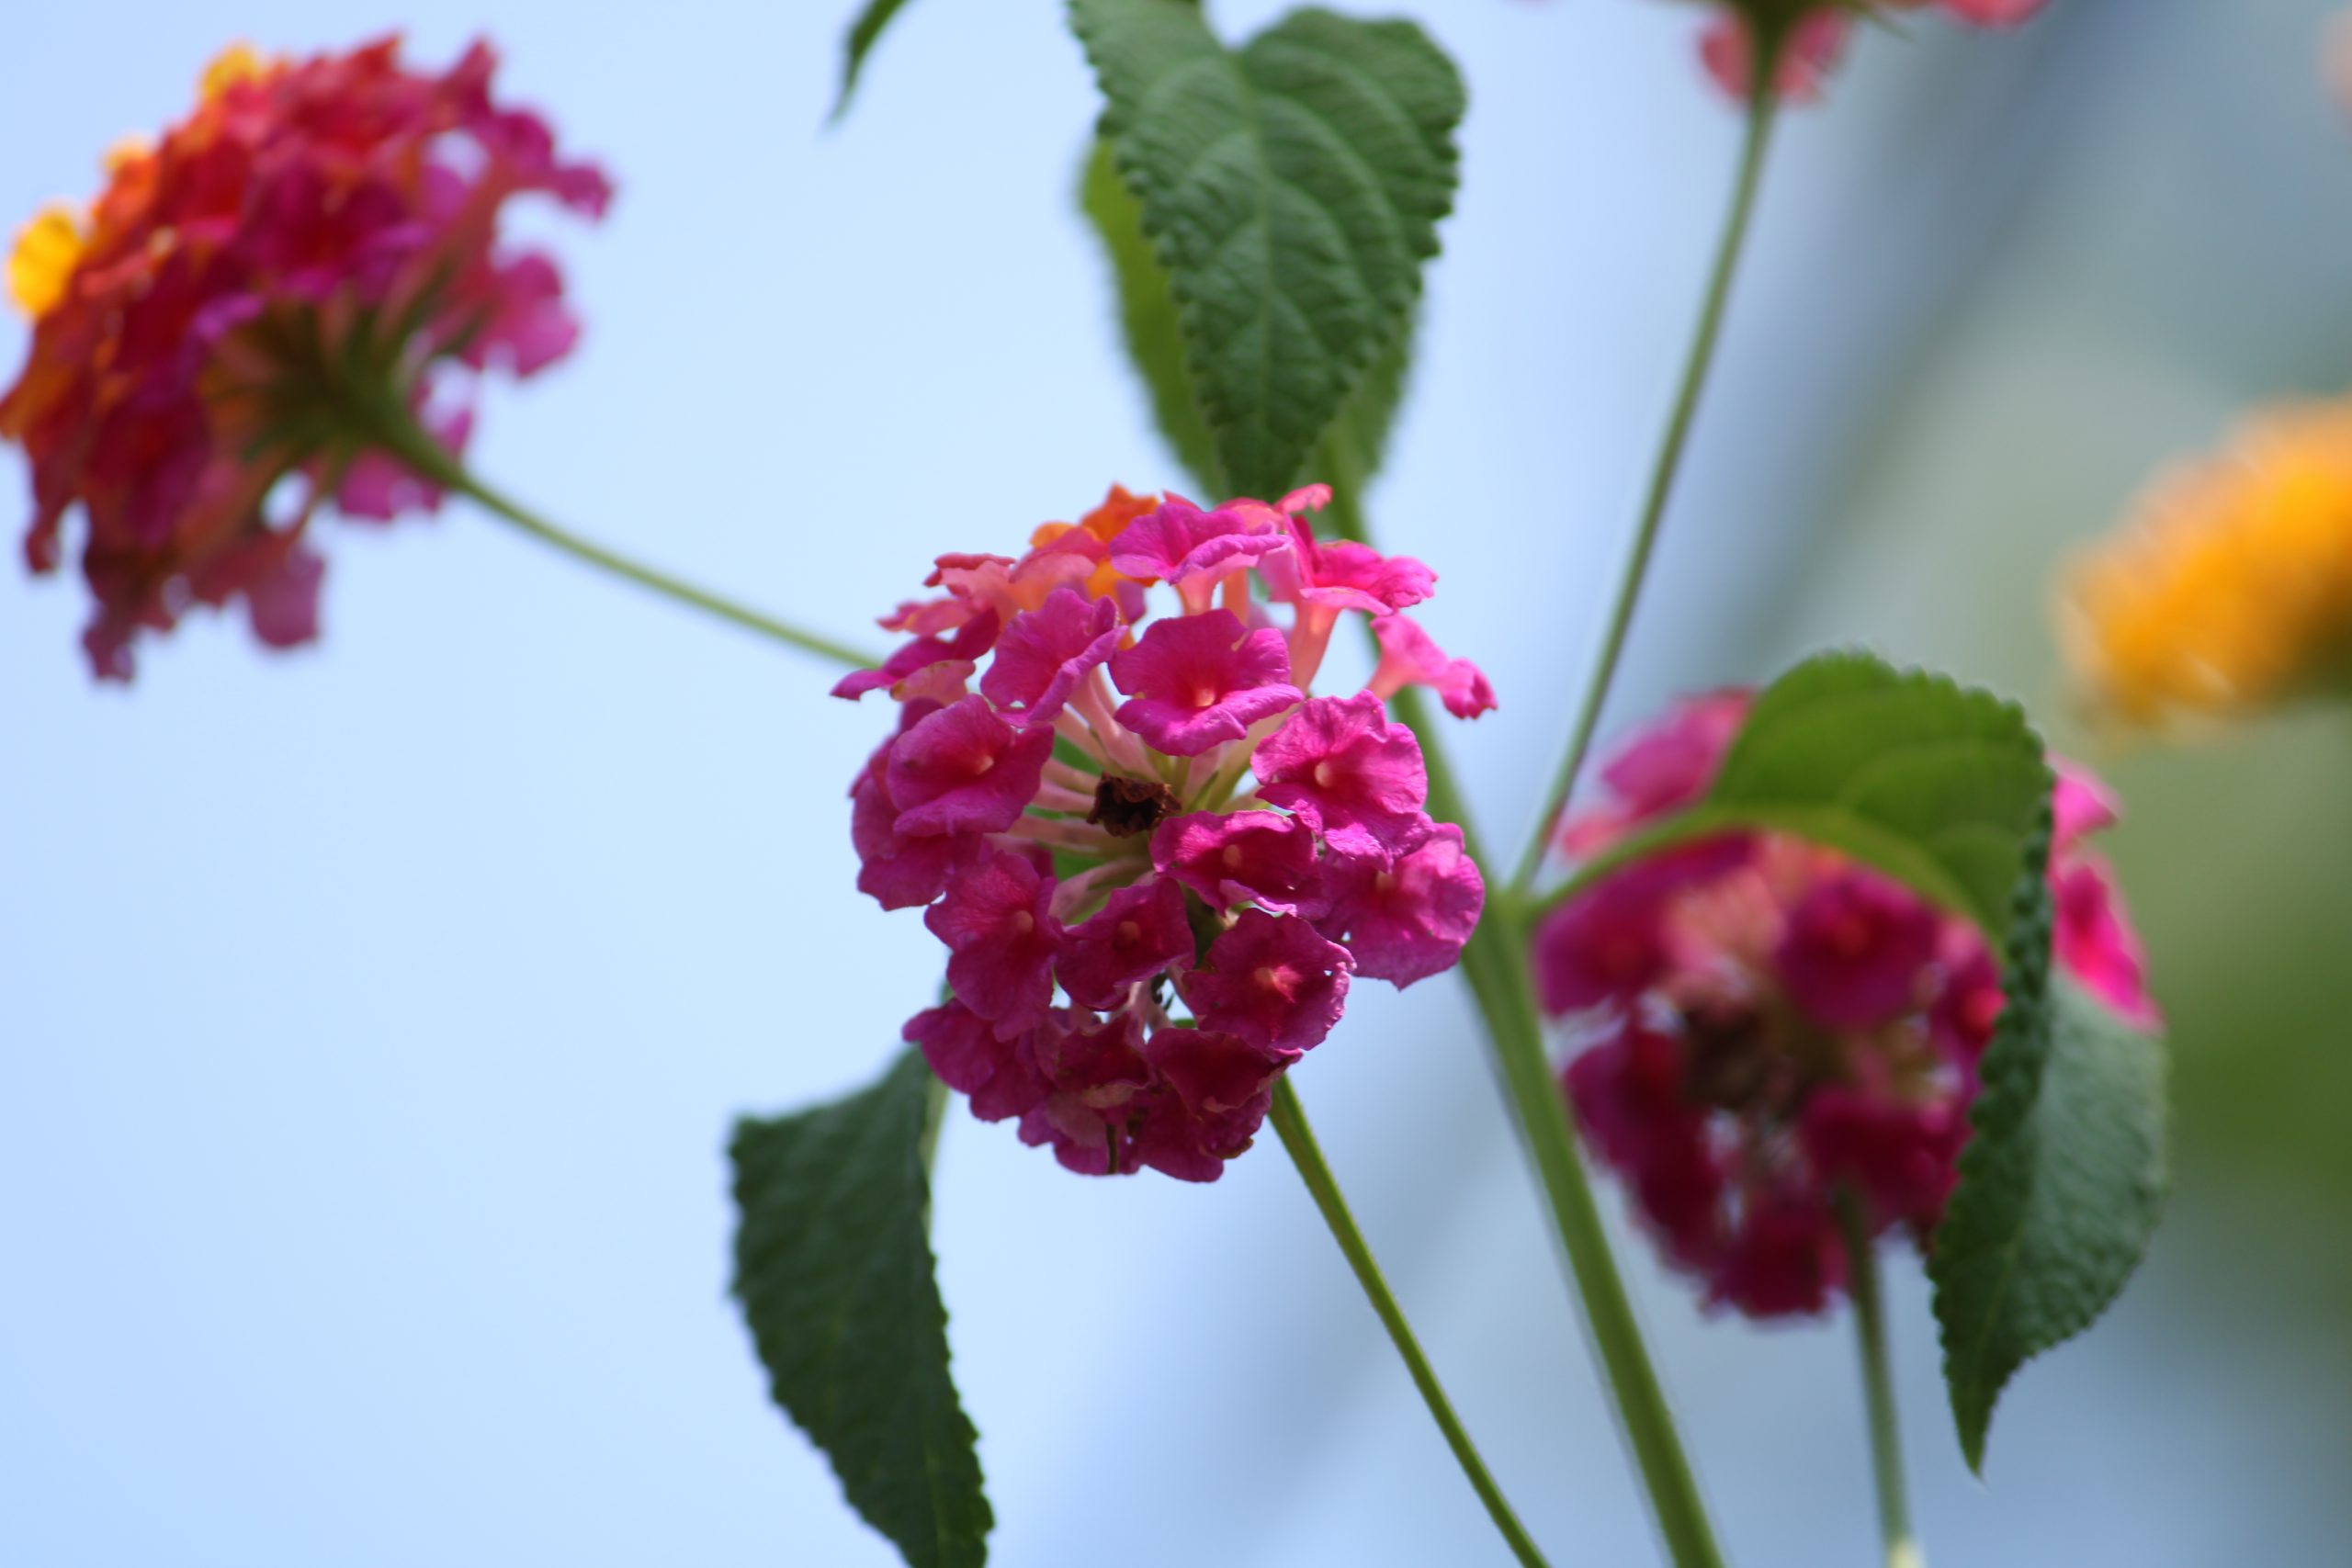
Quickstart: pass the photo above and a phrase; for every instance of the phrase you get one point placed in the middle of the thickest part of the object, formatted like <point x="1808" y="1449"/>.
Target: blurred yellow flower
<point x="2231" y="589"/>
<point x="235" y="65"/>
<point x="43" y="261"/>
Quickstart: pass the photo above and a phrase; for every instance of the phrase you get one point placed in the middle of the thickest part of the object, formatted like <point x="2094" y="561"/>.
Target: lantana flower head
<point x="1816" y="35"/>
<point x="1157" y="860"/>
<point x="2231" y="590"/>
<point x="1759" y="1025"/>
<point x="218" y="337"/>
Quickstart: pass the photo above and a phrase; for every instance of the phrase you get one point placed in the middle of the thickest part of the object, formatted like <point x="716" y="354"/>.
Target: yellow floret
<point x="2230" y="590"/>
<point x="236" y="64"/>
<point x="46" y="251"/>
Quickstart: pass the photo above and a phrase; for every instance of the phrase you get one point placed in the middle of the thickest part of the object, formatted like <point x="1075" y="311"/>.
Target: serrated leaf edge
<point x="1358" y="359"/>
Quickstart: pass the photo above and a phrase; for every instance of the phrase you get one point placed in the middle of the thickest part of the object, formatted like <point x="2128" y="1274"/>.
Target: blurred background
<point x="371" y="1018"/>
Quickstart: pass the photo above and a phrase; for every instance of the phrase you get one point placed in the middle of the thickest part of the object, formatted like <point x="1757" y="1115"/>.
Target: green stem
<point x="401" y="436"/>
<point x="1298" y="1138"/>
<point x="1878" y="1388"/>
<point x="1763" y="104"/>
<point x="1495" y="966"/>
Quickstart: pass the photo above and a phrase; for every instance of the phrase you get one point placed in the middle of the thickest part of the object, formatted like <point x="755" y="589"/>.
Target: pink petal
<point x="1272" y="980"/>
<point x="1406" y="921"/>
<point x="1261" y="857"/>
<point x="1196" y="682"/>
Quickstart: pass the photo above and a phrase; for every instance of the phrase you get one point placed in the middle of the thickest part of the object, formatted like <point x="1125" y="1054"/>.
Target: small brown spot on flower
<point x="1125" y="808"/>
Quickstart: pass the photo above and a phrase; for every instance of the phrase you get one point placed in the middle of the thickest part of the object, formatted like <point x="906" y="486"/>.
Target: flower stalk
<point x="1902" y="1547"/>
<point x="398" y="434"/>
<point x="1494" y="964"/>
<point x="1289" y="1118"/>
<point x="1763" y="106"/>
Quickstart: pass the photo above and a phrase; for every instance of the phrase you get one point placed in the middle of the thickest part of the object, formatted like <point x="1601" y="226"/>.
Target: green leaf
<point x="1291" y="190"/>
<point x="1148" y="320"/>
<point x="2061" y="1182"/>
<point x="1361" y="432"/>
<point x="1156" y="349"/>
<point x="834" y="1272"/>
<point x="1937" y="785"/>
<point x="862" y="33"/>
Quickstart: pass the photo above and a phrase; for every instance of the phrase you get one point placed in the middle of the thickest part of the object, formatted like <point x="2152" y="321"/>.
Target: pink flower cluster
<point x="1818" y="38"/>
<point x="330" y="211"/>
<point x="1156" y="861"/>
<point x="1763" y="1024"/>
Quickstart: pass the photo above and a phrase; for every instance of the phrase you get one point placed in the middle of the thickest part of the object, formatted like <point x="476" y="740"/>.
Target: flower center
<point x="1125" y="808"/>
<point x="1279" y="978"/>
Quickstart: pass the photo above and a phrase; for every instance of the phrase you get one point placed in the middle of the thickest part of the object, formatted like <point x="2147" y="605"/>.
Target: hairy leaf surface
<point x="834" y="1272"/>
<point x="1291" y="191"/>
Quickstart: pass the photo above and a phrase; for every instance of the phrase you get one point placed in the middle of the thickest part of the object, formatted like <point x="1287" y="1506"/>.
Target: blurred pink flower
<point x="315" y="234"/>
<point x="1764" y="1023"/>
<point x="1817" y="38"/>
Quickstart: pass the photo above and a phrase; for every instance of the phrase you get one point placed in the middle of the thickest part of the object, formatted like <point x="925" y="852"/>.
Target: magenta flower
<point x="1000" y="1077"/>
<point x="1627" y="1088"/>
<point x="1322" y="582"/>
<point x="1091" y="1082"/>
<point x="1969" y="1007"/>
<point x="1242" y="857"/>
<point x="969" y="643"/>
<point x="1140" y="932"/>
<point x="1151" y="907"/>
<point x="1411" y="657"/>
<point x="1906" y="1156"/>
<point x="1350" y="774"/>
<point x="2094" y="940"/>
<point x="1274" y="982"/>
<point x="1665" y="768"/>
<point x="1606" y="945"/>
<point x="998" y="923"/>
<point x="964" y="770"/>
<point x="898" y="872"/>
<point x="1727" y="48"/>
<point x="1192" y="550"/>
<point x="1221" y="1088"/>
<point x="1784" y="1259"/>
<point x="1348" y="576"/>
<point x="1045" y="652"/>
<point x="2080" y="805"/>
<point x="1760" y="1024"/>
<point x="1818" y="38"/>
<point x="313" y="232"/>
<point x="1407" y="919"/>
<point x="1993" y="13"/>
<point x="1853" y="949"/>
<point x="1203" y="680"/>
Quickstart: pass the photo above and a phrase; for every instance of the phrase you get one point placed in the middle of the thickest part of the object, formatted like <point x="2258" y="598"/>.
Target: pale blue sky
<point x="373" y="1017"/>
